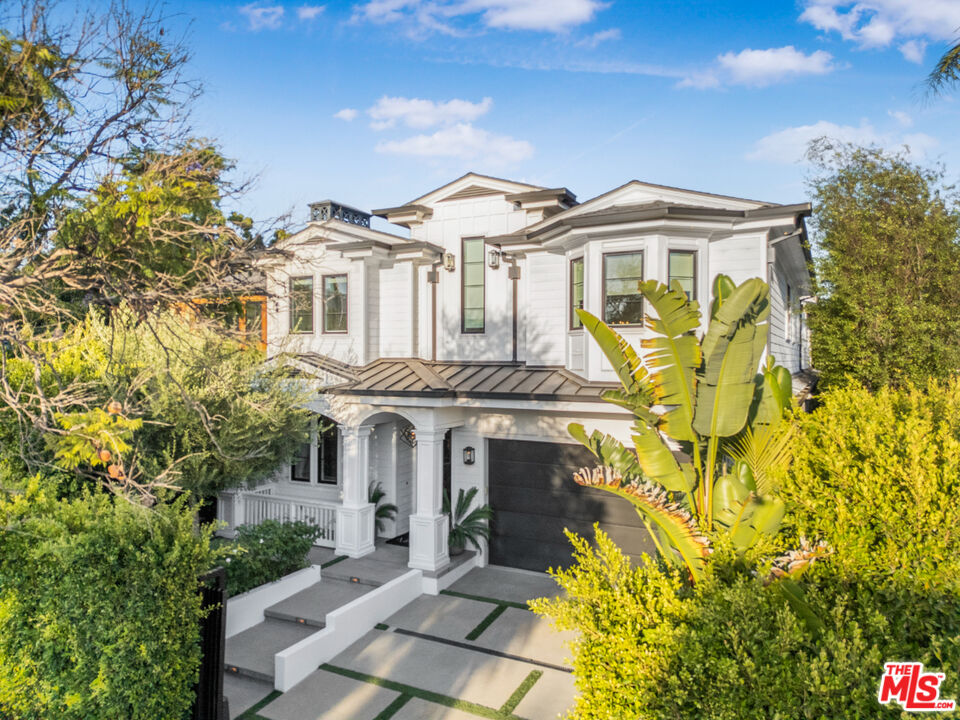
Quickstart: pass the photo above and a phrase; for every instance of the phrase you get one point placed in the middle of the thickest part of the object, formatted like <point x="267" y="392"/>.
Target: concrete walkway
<point x="470" y="652"/>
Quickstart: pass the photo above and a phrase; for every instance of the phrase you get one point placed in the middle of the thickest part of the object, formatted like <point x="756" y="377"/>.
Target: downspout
<point x="433" y="277"/>
<point x="513" y="272"/>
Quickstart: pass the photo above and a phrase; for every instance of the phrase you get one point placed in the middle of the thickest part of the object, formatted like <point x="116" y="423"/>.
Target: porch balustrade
<point x="252" y="507"/>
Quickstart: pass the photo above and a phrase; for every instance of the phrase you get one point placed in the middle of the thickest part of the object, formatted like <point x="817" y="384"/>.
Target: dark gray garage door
<point x="534" y="498"/>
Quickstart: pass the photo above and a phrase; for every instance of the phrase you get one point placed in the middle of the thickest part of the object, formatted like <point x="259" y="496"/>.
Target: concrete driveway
<point x="472" y="651"/>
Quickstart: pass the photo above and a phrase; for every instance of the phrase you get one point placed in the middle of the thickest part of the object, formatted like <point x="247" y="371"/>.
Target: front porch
<point x="329" y="486"/>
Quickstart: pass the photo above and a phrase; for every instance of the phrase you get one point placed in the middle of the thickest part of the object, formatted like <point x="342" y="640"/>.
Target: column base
<point x="355" y="526"/>
<point x="428" y="542"/>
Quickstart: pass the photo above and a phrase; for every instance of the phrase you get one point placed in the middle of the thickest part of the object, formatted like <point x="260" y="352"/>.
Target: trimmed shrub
<point x="652" y="647"/>
<point x="877" y="477"/>
<point x="99" y="607"/>
<point x="266" y="552"/>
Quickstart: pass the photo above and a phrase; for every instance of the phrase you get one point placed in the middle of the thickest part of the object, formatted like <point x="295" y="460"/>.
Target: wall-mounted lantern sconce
<point x="449" y="262"/>
<point x="469" y="456"/>
<point x="493" y="259"/>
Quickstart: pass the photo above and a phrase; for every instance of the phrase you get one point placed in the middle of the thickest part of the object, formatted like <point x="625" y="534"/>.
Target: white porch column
<point x="355" y="522"/>
<point x="429" y="527"/>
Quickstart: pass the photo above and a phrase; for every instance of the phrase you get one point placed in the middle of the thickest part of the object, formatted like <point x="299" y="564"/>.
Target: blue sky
<point x="374" y="103"/>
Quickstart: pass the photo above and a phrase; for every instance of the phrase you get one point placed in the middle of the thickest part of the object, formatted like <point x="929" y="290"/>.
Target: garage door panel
<point x="532" y="475"/>
<point x="543" y="453"/>
<point x="535" y="498"/>
<point x="573" y="502"/>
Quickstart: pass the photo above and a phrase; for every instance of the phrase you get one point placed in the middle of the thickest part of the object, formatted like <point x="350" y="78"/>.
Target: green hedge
<point x="877" y="477"/>
<point x="266" y="552"/>
<point x="99" y="608"/>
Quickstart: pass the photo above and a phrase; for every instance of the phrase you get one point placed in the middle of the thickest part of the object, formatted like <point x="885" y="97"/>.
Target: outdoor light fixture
<point x="469" y="455"/>
<point x="408" y="434"/>
<point x="449" y="262"/>
<point x="493" y="259"/>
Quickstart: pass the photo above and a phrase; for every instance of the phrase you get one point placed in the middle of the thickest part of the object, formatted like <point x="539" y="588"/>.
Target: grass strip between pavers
<point x="510" y="705"/>
<point x="481" y="598"/>
<point x="486" y="622"/>
<point x="251" y="712"/>
<point x="390" y="710"/>
<point x="328" y="563"/>
<point x="446" y="700"/>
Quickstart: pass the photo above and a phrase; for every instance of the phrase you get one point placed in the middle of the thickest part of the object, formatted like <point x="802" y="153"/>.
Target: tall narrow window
<point x="622" y="301"/>
<point x="327" y="450"/>
<point x="472" y="296"/>
<point x="576" y="292"/>
<point x="301" y="305"/>
<point x="300" y="469"/>
<point x="683" y="269"/>
<point x="334" y="303"/>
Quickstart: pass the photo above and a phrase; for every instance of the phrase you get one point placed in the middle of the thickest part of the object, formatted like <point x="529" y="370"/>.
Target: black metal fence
<point x="210" y="703"/>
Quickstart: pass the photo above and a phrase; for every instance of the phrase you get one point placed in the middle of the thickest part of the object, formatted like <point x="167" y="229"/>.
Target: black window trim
<point x="696" y="261"/>
<point x="603" y="285"/>
<point x="323" y="301"/>
<point x="463" y="286"/>
<point x="570" y="309"/>
<point x="294" y="331"/>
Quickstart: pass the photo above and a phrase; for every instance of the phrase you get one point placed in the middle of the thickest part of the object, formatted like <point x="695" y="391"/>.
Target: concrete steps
<point x="250" y="653"/>
<point x="310" y="606"/>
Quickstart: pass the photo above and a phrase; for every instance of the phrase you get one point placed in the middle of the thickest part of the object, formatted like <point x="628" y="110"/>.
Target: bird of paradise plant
<point x="708" y="427"/>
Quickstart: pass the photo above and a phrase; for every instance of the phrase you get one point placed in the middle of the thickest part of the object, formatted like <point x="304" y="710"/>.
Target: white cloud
<point x="347" y="114"/>
<point x="417" y="113"/>
<point x="789" y="146"/>
<point x="462" y="141"/>
<point x="878" y="23"/>
<point x="260" y="17"/>
<point x="759" y="68"/>
<point x="309" y="12"/>
<point x="913" y="50"/>
<point x="901" y="117"/>
<point x="538" y="15"/>
<point x="763" y="67"/>
<point x="591" y="41"/>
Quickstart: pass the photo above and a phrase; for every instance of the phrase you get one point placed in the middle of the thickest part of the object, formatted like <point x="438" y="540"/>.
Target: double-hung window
<point x="576" y="292"/>
<point x="334" y="303"/>
<point x="622" y="275"/>
<point x="472" y="314"/>
<point x="327" y="438"/>
<point x="683" y="269"/>
<point x="301" y="305"/>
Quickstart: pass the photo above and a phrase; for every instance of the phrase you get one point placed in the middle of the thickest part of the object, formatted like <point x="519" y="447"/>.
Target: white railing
<point x="252" y="507"/>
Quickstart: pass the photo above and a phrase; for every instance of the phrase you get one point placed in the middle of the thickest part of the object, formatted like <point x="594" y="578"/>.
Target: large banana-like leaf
<point x="608" y="450"/>
<point x="626" y="363"/>
<point x="674" y="355"/>
<point x="635" y="403"/>
<point x="675" y="526"/>
<point x="744" y="514"/>
<point x="732" y="349"/>
<point x="657" y="460"/>
<point x="723" y="287"/>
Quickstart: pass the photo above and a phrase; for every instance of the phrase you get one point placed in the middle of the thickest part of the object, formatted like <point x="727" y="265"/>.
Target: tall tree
<point x="106" y="200"/>
<point x="888" y="270"/>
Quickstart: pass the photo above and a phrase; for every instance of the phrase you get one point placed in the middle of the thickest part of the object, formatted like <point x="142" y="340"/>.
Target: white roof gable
<point x="472" y="185"/>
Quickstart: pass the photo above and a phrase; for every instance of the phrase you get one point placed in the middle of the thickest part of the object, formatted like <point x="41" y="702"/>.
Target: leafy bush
<point x="266" y="552"/>
<point x="877" y="477"/>
<point x="99" y="607"/>
<point x="654" y="647"/>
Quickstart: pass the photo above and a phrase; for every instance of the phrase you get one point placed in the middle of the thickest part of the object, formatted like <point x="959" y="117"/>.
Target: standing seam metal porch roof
<point x="501" y="381"/>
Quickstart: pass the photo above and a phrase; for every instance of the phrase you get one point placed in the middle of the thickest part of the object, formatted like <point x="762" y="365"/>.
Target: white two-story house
<point x="448" y="354"/>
